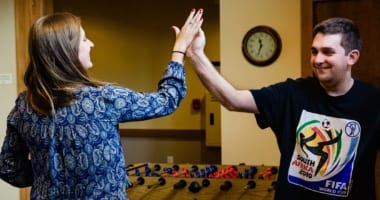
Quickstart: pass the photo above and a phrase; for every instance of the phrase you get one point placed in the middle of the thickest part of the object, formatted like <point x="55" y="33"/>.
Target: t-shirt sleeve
<point x="262" y="118"/>
<point x="378" y="119"/>
<point x="272" y="102"/>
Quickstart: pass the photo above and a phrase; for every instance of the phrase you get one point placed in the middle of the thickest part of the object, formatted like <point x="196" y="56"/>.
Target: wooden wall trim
<point x="306" y="36"/>
<point x="163" y="133"/>
<point x="26" y="13"/>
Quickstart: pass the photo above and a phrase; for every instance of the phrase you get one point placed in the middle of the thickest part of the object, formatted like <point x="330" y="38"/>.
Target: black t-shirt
<point x="328" y="145"/>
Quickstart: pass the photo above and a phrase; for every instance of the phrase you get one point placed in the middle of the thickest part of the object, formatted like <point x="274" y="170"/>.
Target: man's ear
<point x="353" y="57"/>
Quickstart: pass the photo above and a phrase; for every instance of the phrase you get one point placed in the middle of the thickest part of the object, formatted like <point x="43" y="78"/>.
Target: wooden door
<point x="365" y="13"/>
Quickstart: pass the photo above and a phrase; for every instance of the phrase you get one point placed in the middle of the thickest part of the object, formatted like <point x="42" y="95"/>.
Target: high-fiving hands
<point x="188" y="32"/>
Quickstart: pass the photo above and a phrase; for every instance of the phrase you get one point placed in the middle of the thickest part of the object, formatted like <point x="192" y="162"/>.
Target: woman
<point x="62" y="135"/>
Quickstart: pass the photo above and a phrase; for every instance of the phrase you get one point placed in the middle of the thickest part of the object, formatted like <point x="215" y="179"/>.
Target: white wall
<point x="242" y="140"/>
<point x="7" y="67"/>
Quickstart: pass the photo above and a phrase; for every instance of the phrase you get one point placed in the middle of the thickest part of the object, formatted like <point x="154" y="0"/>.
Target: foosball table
<point x="201" y="182"/>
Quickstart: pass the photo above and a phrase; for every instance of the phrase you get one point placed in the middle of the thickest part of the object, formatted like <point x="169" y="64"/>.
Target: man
<point x="326" y="126"/>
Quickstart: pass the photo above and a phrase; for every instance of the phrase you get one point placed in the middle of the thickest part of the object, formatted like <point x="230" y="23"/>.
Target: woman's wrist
<point x="180" y="52"/>
<point x="178" y="56"/>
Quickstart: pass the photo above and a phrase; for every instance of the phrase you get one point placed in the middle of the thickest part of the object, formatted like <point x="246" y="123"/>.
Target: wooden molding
<point x="306" y="36"/>
<point x="26" y="13"/>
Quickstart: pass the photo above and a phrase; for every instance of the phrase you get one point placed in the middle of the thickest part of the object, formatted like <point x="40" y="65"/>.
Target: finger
<point x="176" y="30"/>
<point x="198" y="15"/>
<point x="198" y="24"/>
<point x="197" y="20"/>
<point x="190" y="17"/>
<point x="201" y="32"/>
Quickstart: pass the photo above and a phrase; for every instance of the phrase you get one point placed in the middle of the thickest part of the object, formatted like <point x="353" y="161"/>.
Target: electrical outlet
<point x="170" y="159"/>
<point x="5" y="79"/>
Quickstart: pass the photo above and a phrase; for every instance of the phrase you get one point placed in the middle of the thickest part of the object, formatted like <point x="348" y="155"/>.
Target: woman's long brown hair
<point x="55" y="71"/>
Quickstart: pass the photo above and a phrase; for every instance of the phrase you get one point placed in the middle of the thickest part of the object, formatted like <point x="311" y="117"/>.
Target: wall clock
<point x="261" y="45"/>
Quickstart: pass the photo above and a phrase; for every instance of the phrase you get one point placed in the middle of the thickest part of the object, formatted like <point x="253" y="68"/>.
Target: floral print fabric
<point x="77" y="154"/>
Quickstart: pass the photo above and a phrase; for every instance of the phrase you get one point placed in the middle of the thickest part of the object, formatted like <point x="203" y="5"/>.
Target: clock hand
<point x="260" y="46"/>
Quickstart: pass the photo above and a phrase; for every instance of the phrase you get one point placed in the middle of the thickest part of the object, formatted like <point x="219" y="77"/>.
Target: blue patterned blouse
<point x="78" y="154"/>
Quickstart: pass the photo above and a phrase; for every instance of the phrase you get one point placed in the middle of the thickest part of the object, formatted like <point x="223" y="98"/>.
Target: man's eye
<point x="328" y="53"/>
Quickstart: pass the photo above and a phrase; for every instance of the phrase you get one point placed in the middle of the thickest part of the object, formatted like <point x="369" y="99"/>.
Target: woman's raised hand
<point x="188" y="31"/>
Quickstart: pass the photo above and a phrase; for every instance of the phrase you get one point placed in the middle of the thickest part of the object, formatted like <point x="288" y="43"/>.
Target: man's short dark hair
<point x="350" y="33"/>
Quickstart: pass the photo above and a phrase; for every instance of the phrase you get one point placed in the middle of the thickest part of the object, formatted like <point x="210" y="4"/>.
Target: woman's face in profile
<point x="85" y="46"/>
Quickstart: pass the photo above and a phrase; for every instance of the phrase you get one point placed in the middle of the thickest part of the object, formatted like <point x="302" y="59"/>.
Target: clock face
<point x="261" y="46"/>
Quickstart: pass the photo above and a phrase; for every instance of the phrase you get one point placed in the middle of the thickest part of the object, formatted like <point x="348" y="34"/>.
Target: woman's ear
<point x="353" y="57"/>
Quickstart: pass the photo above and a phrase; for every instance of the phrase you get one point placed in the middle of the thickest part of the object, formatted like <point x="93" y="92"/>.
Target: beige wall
<point x="7" y="67"/>
<point x="242" y="139"/>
